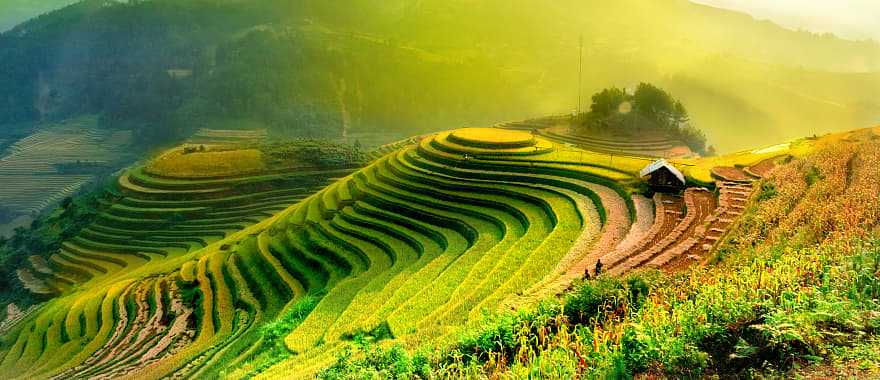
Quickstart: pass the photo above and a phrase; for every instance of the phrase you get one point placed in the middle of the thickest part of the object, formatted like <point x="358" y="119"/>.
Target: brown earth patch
<point x="763" y="168"/>
<point x="729" y="173"/>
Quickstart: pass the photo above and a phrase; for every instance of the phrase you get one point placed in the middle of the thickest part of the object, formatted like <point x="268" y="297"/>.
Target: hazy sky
<point x="852" y="19"/>
<point x="13" y="12"/>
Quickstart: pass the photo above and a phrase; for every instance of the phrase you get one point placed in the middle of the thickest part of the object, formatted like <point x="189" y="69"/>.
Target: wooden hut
<point x="663" y="177"/>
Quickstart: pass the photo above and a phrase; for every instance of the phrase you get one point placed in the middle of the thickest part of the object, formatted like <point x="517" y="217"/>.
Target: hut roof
<point x="661" y="163"/>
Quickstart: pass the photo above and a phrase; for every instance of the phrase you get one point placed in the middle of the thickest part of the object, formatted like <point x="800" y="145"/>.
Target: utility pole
<point x="580" y="73"/>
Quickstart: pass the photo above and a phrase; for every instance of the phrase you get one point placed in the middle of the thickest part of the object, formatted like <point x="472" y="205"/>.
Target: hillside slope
<point x="491" y="219"/>
<point x="318" y="68"/>
<point x="14" y="12"/>
<point x="791" y="292"/>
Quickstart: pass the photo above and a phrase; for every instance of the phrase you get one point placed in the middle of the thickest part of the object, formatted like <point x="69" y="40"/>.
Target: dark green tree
<point x="680" y="114"/>
<point x="607" y="102"/>
<point x="654" y="103"/>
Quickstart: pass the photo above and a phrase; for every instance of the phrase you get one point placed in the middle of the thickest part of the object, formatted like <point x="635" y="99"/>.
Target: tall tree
<point x="608" y="101"/>
<point x="654" y="103"/>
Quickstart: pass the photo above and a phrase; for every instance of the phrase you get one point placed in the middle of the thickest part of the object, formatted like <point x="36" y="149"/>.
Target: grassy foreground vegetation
<point x="761" y="318"/>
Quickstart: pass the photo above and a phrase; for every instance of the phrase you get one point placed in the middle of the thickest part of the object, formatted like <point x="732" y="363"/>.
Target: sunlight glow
<point x="852" y="19"/>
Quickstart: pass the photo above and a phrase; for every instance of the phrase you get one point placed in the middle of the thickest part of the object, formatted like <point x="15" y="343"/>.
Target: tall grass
<point x="789" y="308"/>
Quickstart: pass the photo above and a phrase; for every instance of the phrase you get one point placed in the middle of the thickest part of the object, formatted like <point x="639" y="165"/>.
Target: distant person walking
<point x="598" y="270"/>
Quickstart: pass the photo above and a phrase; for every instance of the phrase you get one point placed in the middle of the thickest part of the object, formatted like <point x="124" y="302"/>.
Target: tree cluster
<point x="647" y="109"/>
<point x="313" y="153"/>
<point x="119" y="59"/>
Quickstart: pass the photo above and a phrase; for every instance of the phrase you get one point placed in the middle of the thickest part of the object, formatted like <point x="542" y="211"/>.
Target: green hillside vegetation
<point x="43" y="236"/>
<point x="186" y="284"/>
<point x="311" y="69"/>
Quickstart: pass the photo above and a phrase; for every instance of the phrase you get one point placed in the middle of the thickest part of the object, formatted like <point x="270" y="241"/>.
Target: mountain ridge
<point x="402" y="56"/>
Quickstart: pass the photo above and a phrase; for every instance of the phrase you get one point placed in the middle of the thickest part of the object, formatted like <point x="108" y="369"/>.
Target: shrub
<point x="374" y="362"/>
<point x="768" y="190"/>
<point x="272" y="349"/>
<point x="607" y="297"/>
<point x="813" y="175"/>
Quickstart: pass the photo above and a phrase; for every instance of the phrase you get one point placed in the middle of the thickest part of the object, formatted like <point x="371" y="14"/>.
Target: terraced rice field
<point x="412" y="248"/>
<point x="156" y="218"/>
<point x="228" y="136"/>
<point x="653" y="147"/>
<point x="556" y="128"/>
<point x="30" y="180"/>
<point x="541" y="123"/>
<point x="384" y="149"/>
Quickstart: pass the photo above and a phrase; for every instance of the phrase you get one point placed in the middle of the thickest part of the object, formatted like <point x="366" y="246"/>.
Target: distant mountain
<point x="313" y="68"/>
